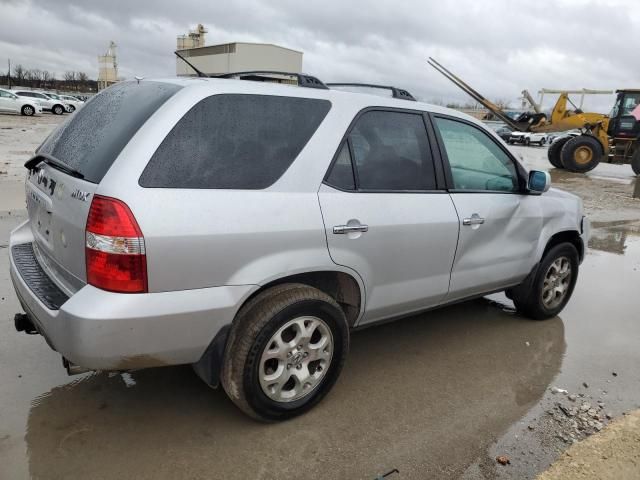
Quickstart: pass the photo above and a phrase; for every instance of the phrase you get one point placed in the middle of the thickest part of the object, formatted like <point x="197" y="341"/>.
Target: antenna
<point x="200" y="74"/>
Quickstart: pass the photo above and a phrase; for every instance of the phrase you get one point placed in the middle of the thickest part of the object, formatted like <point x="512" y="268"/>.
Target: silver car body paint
<point x="209" y="250"/>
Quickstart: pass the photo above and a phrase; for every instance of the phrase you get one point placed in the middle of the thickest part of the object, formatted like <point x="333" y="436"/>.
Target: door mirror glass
<point x="539" y="182"/>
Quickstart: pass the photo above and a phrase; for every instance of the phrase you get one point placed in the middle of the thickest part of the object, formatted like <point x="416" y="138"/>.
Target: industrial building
<point x="107" y="68"/>
<point x="234" y="57"/>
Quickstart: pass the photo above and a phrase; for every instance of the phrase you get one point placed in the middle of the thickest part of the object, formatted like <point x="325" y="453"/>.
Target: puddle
<point x="613" y="236"/>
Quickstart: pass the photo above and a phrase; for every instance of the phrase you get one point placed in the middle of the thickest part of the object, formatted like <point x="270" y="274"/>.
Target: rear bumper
<point x="102" y="330"/>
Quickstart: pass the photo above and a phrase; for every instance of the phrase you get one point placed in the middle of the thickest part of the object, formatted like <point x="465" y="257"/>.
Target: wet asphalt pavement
<point x="437" y="395"/>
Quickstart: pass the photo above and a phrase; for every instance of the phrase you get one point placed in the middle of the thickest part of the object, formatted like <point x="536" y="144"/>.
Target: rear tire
<point x="57" y="109"/>
<point x="28" y="111"/>
<point x="635" y="159"/>
<point x="553" y="154"/>
<point x="545" y="292"/>
<point x="542" y="142"/>
<point x="296" y="330"/>
<point x="527" y="142"/>
<point x="581" y="154"/>
<point x="72" y="109"/>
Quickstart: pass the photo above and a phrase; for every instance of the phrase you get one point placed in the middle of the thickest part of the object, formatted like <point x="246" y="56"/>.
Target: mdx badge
<point x="80" y="195"/>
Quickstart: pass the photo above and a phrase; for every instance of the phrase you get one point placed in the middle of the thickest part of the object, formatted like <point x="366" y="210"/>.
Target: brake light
<point x="114" y="248"/>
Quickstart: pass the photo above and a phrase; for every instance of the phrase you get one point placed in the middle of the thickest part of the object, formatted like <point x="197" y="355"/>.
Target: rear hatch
<point x="69" y="165"/>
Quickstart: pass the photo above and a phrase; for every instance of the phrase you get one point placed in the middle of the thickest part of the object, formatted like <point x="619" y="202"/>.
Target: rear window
<point x="234" y="141"/>
<point x="91" y="139"/>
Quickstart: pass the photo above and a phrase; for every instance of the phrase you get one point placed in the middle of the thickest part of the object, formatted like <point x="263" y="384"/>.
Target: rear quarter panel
<point x="197" y="238"/>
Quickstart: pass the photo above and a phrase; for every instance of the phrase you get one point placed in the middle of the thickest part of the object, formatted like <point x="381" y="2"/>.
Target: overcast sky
<point x="499" y="46"/>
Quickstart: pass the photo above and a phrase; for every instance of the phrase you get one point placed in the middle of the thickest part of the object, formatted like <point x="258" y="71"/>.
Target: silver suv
<point x="247" y="227"/>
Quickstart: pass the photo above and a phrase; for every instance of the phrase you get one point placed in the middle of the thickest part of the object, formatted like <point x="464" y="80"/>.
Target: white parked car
<point x="12" y="103"/>
<point x="559" y="135"/>
<point x="527" y="138"/>
<point x="72" y="103"/>
<point x="47" y="103"/>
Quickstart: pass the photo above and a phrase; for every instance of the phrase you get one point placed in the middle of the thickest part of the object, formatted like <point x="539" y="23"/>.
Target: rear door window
<point x="234" y="141"/>
<point x="92" y="138"/>
<point x="391" y="152"/>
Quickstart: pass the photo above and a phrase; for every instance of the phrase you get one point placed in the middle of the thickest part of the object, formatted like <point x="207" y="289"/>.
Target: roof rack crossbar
<point x="307" y="81"/>
<point x="396" y="92"/>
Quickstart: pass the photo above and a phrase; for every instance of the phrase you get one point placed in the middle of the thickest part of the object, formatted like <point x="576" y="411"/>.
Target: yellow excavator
<point x="604" y="138"/>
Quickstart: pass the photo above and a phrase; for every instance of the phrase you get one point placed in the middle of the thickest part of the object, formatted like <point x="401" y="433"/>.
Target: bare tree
<point x="48" y="79"/>
<point x="18" y="74"/>
<point x="83" y="79"/>
<point x="34" y="77"/>
<point x="502" y="103"/>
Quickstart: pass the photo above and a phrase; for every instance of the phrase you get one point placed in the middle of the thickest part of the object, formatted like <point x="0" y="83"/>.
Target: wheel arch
<point x="567" y="236"/>
<point x="344" y="287"/>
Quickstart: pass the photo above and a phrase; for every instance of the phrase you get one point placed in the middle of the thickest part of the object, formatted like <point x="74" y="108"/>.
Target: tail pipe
<point x="24" y="324"/>
<point x="72" y="368"/>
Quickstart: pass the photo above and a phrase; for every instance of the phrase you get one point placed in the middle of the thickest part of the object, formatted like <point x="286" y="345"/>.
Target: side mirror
<point x="539" y="182"/>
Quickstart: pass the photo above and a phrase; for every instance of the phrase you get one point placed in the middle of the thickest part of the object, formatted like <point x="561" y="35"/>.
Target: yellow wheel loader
<point x="611" y="138"/>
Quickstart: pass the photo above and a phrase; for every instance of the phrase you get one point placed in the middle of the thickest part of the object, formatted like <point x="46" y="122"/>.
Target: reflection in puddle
<point x="613" y="236"/>
<point x="438" y="387"/>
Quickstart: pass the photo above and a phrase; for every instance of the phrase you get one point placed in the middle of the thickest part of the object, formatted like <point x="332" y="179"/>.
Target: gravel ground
<point x="614" y="454"/>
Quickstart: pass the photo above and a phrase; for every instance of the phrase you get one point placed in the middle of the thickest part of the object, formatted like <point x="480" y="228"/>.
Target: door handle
<point x="342" y="229"/>
<point x="475" y="219"/>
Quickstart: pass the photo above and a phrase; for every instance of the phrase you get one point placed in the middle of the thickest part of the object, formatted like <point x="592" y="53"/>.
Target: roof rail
<point x="396" y="92"/>
<point x="307" y="81"/>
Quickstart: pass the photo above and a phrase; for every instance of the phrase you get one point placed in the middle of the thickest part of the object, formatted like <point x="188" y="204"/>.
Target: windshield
<point x="631" y="101"/>
<point x="627" y="102"/>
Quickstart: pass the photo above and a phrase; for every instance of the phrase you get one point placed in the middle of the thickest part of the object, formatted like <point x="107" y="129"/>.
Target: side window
<point x="341" y="175"/>
<point x="391" y="152"/>
<point x="477" y="162"/>
<point x="234" y="141"/>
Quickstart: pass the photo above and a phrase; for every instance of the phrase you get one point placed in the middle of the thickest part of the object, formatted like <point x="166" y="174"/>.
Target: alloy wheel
<point x="556" y="282"/>
<point x="296" y="359"/>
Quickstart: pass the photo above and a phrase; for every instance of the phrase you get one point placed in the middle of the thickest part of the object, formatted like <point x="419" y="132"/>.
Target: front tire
<point x="58" y="110"/>
<point x="581" y="154"/>
<point x="635" y="159"/>
<point x="285" y="352"/>
<point x="545" y="293"/>
<point x="28" y="111"/>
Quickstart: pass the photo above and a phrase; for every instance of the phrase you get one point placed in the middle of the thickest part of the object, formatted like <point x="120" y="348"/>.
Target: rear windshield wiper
<point x="54" y="162"/>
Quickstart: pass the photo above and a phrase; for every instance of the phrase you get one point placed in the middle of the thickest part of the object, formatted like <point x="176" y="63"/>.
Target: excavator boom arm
<point x="492" y="107"/>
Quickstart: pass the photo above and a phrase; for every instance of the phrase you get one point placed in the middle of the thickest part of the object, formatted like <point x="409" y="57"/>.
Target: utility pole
<point x="9" y="74"/>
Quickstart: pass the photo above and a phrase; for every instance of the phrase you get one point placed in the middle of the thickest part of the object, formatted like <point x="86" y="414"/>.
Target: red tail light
<point x="114" y="248"/>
